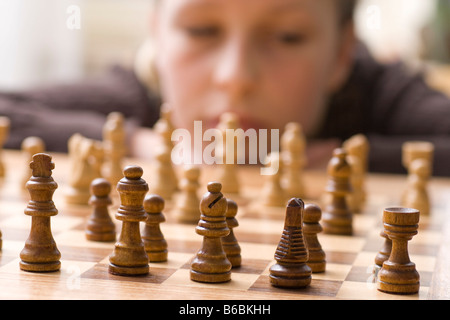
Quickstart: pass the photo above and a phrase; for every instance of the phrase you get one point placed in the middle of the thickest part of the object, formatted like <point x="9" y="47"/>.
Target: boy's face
<point x="269" y="61"/>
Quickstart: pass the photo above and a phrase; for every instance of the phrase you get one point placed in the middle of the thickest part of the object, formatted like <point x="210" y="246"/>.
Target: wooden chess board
<point x="350" y="259"/>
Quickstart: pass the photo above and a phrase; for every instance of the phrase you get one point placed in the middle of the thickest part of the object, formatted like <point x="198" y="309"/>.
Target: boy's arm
<point x="54" y="113"/>
<point x="391" y="105"/>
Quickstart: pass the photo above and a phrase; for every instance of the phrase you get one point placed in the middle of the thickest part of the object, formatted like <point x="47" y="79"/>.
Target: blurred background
<point x="49" y="41"/>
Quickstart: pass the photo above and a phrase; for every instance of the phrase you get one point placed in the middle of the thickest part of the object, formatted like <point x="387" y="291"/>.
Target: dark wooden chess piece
<point x="384" y="252"/>
<point x="398" y="274"/>
<point x="311" y="227"/>
<point x="337" y="216"/>
<point x="154" y="242"/>
<point x="129" y="256"/>
<point x="100" y="226"/>
<point x="210" y="263"/>
<point x="40" y="253"/>
<point x="290" y="269"/>
<point x="229" y="242"/>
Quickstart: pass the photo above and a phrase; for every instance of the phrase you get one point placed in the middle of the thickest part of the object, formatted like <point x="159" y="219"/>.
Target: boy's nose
<point x="236" y="68"/>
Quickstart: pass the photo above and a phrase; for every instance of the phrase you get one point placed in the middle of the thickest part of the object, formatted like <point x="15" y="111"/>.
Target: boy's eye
<point x="203" y="32"/>
<point x="290" y="38"/>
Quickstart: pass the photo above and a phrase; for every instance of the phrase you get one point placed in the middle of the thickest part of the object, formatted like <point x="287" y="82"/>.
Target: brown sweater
<point x="385" y="102"/>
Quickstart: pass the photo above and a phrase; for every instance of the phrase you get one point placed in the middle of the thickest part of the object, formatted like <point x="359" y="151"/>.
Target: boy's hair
<point x="346" y="10"/>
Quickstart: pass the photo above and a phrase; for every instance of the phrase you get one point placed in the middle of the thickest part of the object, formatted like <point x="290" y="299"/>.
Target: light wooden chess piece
<point x="272" y="194"/>
<point x="293" y="144"/>
<point x="129" y="257"/>
<point x="398" y="274"/>
<point x="357" y="148"/>
<point x="291" y="255"/>
<point x="187" y="205"/>
<point x="210" y="263"/>
<point x="164" y="182"/>
<point x="5" y="126"/>
<point x="86" y="157"/>
<point x="416" y="194"/>
<point x="164" y="127"/>
<point x="228" y="171"/>
<point x="40" y="253"/>
<point x="412" y="150"/>
<point x="114" y="139"/>
<point x="165" y="173"/>
<point x="30" y="146"/>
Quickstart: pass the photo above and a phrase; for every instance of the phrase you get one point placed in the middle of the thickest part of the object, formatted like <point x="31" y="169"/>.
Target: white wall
<point x="392" y="28"/>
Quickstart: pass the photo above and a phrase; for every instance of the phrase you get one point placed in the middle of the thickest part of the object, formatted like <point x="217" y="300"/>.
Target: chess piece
<point x="30" y="146"/>
<point x="129" y="257"/>
<point x="187" y="205"/>
<point x="416" y="193"/>
<point x="228" y="171"/>
<point x="86" y="158"/>
<point x="357" y="148"/>
<point x="229" y="242"/>
<point x="5" y="126"/>
<point x="384" y="252"/>
<point x="100" y="226"/>
<point x="272" y="193"/>
<point x="40" y="253"/>
<point x="311" y="227"/>
<point x="337" y="216"/>
<point x="413" y="150"/>
<point x="164" y="128"/>
<point x="164" y="182"/>
<point x="398" y="274"/>
<point x="114" y="139"/>
<point x="154" y="242"/>
<point x="293" y="144"/>
<point x="291" y="255"/>
<point x="210" y="263"/>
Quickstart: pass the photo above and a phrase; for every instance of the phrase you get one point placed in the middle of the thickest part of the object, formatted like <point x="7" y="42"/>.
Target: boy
<point x="268" y="61"/>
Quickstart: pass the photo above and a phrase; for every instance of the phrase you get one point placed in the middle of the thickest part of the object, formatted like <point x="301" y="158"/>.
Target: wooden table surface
<point x="259" y="232"/>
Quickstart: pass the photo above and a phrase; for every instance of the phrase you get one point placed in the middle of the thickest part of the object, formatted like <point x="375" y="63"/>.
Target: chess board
<point x="350" y="259"/>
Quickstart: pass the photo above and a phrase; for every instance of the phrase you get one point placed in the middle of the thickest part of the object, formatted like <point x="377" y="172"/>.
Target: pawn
<point x="337" y="216"/>
<point x="164" y="177"/>
<point x="228" y="173"/>
<point x="129" y="257"/>
<point x="40" y="253"/>
<point x="114" y="145"/>
<point x="187" y="204"/>
<point x="229" y="242"/>
<point x="273" y="194"/>
<point x="154" y="242"/>
<point x="210" y="263"/>
<point x="384" y="252"/>
<point x="291" y="255"/>
<point x="293" y="143"/>
<point x="398" y="274"/>
<point x="100" y="226"/>
<point x="311" y="227"/>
